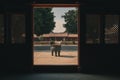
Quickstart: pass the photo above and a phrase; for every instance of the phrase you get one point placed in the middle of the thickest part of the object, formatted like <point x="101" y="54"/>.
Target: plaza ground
<point x="66" y="58"/>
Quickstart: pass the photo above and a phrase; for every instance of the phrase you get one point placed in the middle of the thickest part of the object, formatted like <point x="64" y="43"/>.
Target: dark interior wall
<point x="18" y="57"/>
<point x="98" y="58"/>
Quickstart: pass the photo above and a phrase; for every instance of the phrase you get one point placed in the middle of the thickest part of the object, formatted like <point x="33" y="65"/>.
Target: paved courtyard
<point x="66" y="58"/>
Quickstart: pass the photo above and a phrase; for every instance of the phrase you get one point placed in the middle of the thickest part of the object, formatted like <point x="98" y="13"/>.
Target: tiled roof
<point x="34" y="35"/>
<point x="60" y="35"/>
<point x="73" y="35"/>
<point x="45" y="35"/>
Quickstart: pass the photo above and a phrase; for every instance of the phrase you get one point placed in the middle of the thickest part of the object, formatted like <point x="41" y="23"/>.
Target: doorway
<point x="57" y="24"/>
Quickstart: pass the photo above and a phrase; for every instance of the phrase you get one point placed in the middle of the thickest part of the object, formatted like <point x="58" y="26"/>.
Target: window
<point x="111" y="28"/>
<point x="93" y="29"/>
<point x="18" y="28"/>
<point x="102" y="29"/>
<point x="1" y="28"/>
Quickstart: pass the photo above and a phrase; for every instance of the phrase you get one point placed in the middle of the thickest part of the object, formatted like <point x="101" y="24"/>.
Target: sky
<point x="58" y="12"/>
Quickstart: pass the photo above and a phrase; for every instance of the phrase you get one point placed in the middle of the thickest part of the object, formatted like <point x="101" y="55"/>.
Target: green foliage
<point x="43" y="20"/>
<point x="71" y="21"/>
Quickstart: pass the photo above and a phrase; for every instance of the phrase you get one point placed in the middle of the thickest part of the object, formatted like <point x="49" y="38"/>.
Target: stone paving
<point x="45" y="58"/>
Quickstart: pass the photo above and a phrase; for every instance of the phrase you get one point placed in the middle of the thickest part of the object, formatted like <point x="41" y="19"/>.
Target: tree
<point x="43" y="20"/>
<point x="71" y="21"/>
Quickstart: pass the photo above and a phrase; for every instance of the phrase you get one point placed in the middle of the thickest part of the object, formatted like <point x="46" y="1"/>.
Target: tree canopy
<point x="43" y="20"/>
<point x="71" y="21"/>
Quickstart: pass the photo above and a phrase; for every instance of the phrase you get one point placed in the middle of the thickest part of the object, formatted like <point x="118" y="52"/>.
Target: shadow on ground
<point x="67" y="56"/>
